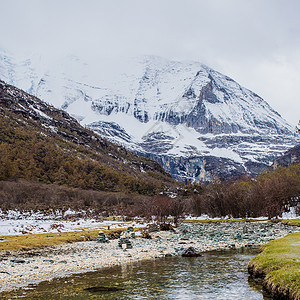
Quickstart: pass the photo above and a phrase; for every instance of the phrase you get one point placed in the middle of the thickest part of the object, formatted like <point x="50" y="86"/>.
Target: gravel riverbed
<point x="18" y="269"/>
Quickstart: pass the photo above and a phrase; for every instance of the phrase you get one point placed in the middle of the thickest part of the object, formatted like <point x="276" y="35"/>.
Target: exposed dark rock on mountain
<point x="197" y="122"/>
<point x="289" y="157"/>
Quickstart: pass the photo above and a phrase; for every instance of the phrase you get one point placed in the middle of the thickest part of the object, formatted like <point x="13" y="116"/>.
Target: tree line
<point x="270" y="194"/>
<point x="33" y="156"/>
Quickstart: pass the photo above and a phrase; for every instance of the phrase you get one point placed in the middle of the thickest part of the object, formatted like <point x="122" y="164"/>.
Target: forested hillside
<point x="47" y="160"/>
<point x="43" y="144"/>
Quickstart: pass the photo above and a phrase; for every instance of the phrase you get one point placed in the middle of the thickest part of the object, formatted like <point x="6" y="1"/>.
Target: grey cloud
<point x="257" y="42"/>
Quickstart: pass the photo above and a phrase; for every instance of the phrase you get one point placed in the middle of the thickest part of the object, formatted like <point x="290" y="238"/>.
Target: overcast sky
<point x="256" y="42"/>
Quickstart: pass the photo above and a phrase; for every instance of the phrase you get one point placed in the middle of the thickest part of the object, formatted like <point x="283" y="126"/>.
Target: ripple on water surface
<point x="215" y="275"/>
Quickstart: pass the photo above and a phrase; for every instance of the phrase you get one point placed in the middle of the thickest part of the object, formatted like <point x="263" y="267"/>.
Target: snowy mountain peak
<point x="196" y="121"/>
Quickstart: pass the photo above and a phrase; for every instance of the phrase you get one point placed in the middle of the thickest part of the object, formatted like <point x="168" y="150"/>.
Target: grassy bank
<point x="34" y="241"/>
<point x="279" y="265"/>
<point x="291" y="222"/>
<point x="223" y="220"/>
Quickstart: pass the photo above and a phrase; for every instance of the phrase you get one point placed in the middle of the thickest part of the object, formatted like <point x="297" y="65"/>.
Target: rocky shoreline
<point x="18" y="269"/>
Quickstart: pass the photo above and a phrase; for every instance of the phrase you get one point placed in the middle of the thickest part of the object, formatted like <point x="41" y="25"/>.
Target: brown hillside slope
<point x="41" y="143"/>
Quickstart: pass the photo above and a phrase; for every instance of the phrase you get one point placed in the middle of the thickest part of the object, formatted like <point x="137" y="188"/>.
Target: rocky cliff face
<point x="196" y="122"/>
<point x="288" y="158"/>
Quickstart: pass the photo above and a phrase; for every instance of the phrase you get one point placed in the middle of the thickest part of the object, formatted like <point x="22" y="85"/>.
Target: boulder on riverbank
<point x="190" y="252"/>
<point x="166" y="227"/>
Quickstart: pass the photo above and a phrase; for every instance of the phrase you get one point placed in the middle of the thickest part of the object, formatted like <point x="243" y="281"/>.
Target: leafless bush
<point x="268" y="195"/>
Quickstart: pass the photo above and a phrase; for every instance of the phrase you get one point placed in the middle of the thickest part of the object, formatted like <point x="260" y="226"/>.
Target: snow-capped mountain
<point x="195" y="121"/>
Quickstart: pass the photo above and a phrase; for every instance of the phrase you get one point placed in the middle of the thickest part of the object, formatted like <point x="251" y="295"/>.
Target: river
<point x="215" y="275"/>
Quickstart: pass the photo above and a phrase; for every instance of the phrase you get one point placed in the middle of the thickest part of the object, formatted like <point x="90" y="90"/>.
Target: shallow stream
<point x="215" y="275"/>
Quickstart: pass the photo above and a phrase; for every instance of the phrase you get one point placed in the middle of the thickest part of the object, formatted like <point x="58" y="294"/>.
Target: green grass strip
<point x="279" y="264"/>
<point x="223" y="220"/>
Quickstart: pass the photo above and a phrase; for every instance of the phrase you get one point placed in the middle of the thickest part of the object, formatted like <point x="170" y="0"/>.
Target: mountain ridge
<point x="289" y="157"/>
<point x="42" y="143"/>
<point x="198" y="123"/>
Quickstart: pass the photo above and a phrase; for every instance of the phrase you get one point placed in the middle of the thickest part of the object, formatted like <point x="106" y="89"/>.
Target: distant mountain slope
<point x="289" y="157"/>
<point x="198" y="123"/>
<point x="40" y="142"/>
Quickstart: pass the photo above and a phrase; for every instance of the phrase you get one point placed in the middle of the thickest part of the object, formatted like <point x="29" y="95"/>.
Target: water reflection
<point x="216" y="275"/>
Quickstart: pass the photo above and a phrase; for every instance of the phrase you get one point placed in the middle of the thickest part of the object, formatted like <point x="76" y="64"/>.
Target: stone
<point x="51" y="261"/>
<point x="4" y="272"/>
<point x="166" y="227"/>
<point x="102" y="238"/>
<point x="153" y="228"/>
<point x="127" y="234"/>
<point x="239" y="237"/>
<point x="124" y="241"/>
<point x="130" y="229"/>
<point x="190" y="252"/>
<point x="18" y="261"/>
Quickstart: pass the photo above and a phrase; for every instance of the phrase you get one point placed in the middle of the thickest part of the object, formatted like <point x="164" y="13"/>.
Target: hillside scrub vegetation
<point x="270" y="194"/>
<point x="44" y="144"/>
<point x="47" y="160"/>
<point x="26" y="195"/>
<point x="28" y="155"/>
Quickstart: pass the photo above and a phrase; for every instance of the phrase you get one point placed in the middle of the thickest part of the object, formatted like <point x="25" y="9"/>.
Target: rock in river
<point x="96" y="289"/>
<point x="190" y="252"/>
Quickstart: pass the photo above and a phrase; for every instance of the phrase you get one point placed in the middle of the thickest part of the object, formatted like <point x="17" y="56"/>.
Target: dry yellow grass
<point x="292" y="222"/>
<point x="34" y="241"/>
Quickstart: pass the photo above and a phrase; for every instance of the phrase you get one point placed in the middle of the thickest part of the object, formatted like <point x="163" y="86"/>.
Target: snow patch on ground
<point x="291" y="214"/>
<point x="15" y="223"/>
